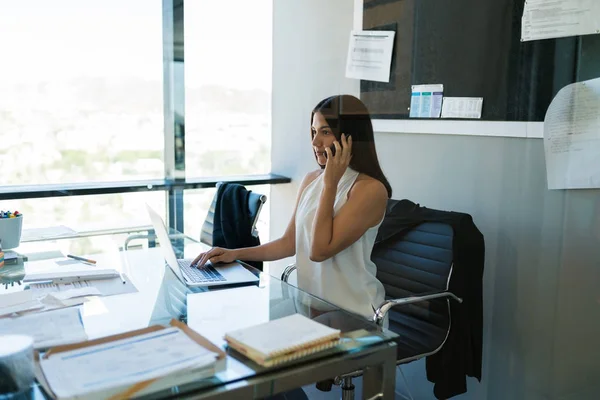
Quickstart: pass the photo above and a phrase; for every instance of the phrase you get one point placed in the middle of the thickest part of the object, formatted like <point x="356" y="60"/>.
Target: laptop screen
<point x="165" y="242"/>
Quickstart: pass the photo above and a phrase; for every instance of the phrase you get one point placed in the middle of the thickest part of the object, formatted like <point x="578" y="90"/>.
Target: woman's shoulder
<point x="311" y="176"/>
<point x="308" y="179"/>
<point x="366" y="183"/>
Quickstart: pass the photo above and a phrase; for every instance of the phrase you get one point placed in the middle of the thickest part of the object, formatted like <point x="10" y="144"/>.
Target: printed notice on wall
<point x="547" y="19"/>
<point x="426" y="101"/>
<point x="370" y="55"/>
<point x="572" y="137"/>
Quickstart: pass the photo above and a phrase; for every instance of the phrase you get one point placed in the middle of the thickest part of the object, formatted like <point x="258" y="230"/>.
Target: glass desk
<point x="162" y="297"/>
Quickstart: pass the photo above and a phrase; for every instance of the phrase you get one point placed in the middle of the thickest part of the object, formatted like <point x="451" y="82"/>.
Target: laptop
<point x="209" y="275"/>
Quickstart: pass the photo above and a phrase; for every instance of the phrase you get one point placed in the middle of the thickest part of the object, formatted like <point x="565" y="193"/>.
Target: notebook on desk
<point x="282" y="340"/>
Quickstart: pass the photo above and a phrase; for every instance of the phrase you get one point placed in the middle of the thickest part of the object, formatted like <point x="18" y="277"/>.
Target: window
<point x="81" y="91"/>
<point x="86" y="214"/>
<point x="228" y="50"/>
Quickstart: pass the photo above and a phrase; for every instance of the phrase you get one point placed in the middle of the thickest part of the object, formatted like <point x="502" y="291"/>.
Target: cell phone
<point x="332" y="147"/>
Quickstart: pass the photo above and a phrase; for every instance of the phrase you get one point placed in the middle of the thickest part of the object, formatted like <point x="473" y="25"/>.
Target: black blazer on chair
<point x="232" y="227"/>
<point x="461" y="355"/>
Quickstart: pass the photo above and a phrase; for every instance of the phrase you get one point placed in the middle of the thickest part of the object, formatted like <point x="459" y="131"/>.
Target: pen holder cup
<point x="10" y="232"/>
<point x="16" y="365"/>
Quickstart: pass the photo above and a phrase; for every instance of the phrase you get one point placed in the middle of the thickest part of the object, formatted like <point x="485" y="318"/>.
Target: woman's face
<point x="322" y="137"/>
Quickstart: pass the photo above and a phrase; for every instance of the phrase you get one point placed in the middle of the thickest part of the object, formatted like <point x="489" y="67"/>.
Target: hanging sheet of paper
<point x="462" y="107"/>
<point x="370" y="55"/>
<point x="548" y="19"/>
<point x="426" y="101"/>
<point x="572" y="137"/>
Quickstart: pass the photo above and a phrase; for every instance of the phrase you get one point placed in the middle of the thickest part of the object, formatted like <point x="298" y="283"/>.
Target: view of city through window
<point x="81" y="100"/>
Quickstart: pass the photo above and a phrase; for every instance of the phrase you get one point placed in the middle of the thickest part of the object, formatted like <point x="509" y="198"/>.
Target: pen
<point x="122" y="279"/>
<point x="87" y="260"/>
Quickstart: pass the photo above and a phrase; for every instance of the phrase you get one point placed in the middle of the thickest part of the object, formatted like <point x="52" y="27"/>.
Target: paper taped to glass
<point x="370" y="55"/>
<point x="548" y="19"/>
<point x="572" y="137"/>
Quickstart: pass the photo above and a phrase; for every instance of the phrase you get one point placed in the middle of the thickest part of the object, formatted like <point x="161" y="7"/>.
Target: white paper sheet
<point x="572" y="137"/>
<point x="74" y="293"/>
<point x="123" y="362"/>
<point x="36" y="234"/>
<point x="48" y="328"/>
<point x="370" y="55"/>
<point x="546" y="19"/>
<point x="104" y="287"/>
<point x="426" y="101"/>
<point x="19" y="301"/>
<point x="462" y="107"/>
<point x="28" y="301"/>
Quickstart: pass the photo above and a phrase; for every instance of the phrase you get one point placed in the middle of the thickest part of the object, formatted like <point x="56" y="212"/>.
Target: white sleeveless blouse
<point x="348" y="278"/>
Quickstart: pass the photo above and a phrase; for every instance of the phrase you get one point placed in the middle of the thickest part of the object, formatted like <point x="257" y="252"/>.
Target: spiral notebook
<point x="283" y="340"/>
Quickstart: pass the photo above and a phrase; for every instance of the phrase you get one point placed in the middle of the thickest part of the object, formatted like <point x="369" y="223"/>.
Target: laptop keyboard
<point x="200" y="275"/>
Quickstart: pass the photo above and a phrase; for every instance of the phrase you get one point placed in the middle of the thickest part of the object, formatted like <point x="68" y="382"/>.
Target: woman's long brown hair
<point x="347" y="114"/>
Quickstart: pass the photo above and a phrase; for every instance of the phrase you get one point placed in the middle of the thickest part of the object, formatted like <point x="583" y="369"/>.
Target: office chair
<point x="415" y="270"/>
<point x="255" y="204"/>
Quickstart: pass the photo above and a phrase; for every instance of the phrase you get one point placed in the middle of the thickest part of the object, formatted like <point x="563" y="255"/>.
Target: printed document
<point x="123" y="362"/>
<point x="462" y="107"/>
<point x="572" y="137"/>
<point x="103" y="287"/>
<point x="370" y="55"/>
<point x="48" y="328"/>
<point x="548" y="19"/>
<point x="426" y="101"/>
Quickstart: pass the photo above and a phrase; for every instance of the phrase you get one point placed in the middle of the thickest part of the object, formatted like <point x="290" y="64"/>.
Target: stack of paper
<point x="131" y="364"/>
<point x="30" y="300"/>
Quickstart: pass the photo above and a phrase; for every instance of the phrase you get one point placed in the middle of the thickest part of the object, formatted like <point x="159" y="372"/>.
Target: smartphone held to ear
<point x="332" y="147"/>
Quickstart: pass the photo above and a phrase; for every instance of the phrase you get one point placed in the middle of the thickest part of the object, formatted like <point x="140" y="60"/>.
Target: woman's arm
<point x="277" y="249"/>
<point x="364" y="209"/>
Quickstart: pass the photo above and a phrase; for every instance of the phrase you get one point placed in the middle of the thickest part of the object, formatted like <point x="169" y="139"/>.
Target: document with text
<point x="370" y="55"/>
<point x="572" y="137"/>
<point x="548" y="19"/>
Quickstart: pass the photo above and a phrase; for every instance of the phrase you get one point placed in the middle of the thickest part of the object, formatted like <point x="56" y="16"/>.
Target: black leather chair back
<point x="255" y="203"/>
<point x="416" y="263"/>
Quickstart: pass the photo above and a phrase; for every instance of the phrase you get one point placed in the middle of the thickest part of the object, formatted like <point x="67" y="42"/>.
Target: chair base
<point x="347" y="389"/>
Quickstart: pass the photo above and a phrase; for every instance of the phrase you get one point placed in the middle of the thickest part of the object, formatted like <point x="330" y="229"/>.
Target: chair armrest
<point x="130" y="238"/>
<point x="384" y="307"/>
<point x="287" y="272"/>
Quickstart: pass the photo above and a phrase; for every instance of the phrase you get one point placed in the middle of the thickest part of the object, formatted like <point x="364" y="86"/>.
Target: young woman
<point x="338" y="210"/>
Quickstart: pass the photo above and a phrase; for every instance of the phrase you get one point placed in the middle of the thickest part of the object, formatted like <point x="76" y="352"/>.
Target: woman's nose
<point x="316" y="141"/>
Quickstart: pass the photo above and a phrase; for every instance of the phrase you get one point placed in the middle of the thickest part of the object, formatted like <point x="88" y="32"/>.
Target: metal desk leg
<point x="379" y="382"/>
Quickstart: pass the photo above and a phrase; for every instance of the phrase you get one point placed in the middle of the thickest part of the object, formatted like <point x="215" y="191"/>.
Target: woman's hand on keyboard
<point x="214" y="255"/>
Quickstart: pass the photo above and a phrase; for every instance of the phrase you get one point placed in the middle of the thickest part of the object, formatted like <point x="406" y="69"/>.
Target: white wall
<point x="310" y="42"/>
